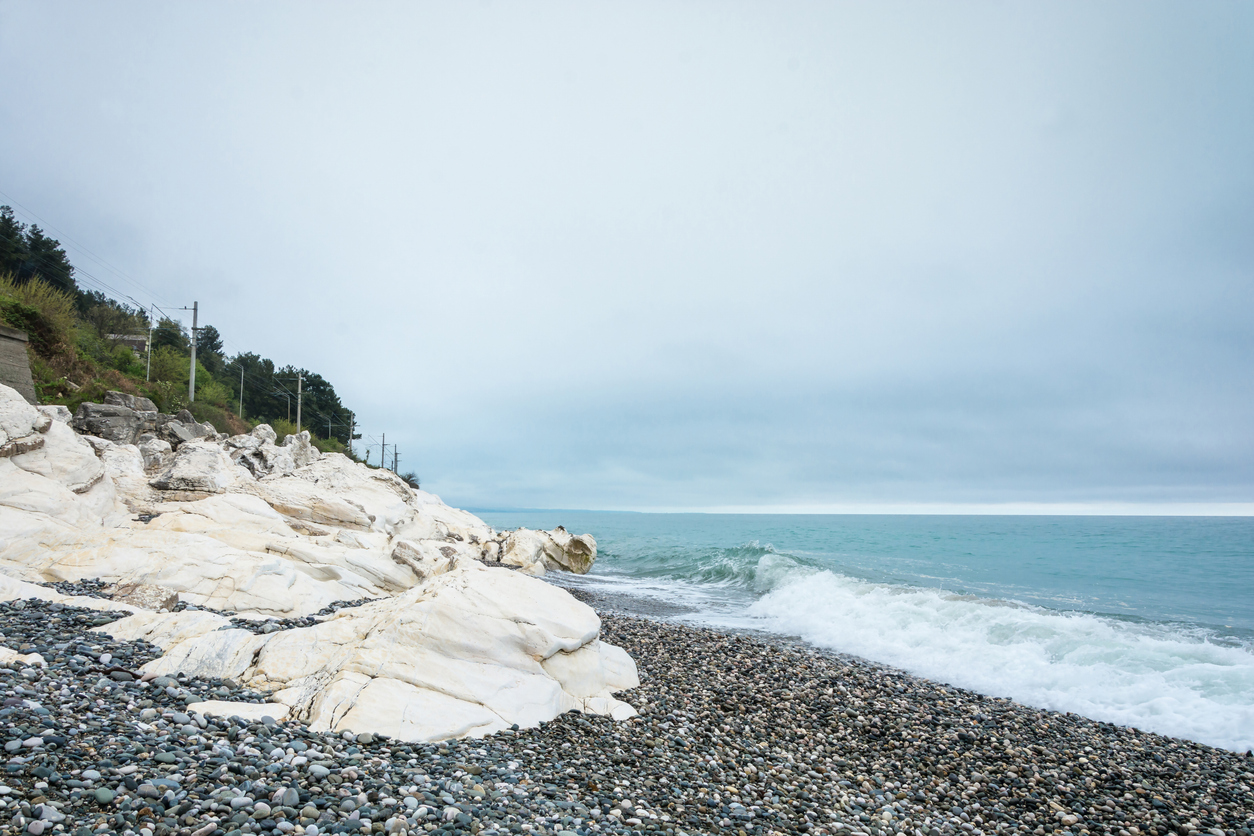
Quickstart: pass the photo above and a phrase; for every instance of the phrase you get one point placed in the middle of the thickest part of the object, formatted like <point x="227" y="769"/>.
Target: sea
<point x="1141" y="621"/>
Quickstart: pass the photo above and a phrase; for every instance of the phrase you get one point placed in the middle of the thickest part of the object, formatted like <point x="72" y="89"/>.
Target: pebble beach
<point x="735" y="734"/>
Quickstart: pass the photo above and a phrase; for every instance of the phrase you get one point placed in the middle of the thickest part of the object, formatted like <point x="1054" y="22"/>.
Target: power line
<point x="93" y="282"/>
<point x="10" y="201"/>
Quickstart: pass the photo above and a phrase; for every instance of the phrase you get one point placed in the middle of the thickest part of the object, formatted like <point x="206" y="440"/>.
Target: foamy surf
<point x="1155" y="677"/>
<point x="1145" y="622"/>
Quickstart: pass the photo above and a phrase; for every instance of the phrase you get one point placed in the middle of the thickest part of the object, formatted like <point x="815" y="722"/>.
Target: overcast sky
<point x="689" y="255"/>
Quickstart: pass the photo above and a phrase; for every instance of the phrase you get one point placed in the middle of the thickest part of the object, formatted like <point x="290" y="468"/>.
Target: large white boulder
<point x="21" y="425"/>
<point x="199" y="466"/>
<point x="535" y="551"/>
<point x="65" y="458"/>
<point x="288" y="581"/>
<point x="470" y="652"/>
<point x="156" y="452"/>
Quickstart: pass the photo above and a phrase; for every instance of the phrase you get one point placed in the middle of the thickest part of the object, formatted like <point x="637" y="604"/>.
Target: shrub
<point x="211" y="391"/>
<point x="125" y="361"/>
<point x="169" y="366"/>
<point x="330" y="445"/>
<point x="169" y="397"/>
<point x="223" y="420"/>
<point x="43" y="312"/>
<point x="283" y="428"/>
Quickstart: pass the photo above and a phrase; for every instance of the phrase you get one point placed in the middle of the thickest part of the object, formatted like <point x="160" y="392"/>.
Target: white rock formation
<point x="452" y="646"/>
<point x="470" y="652"/>
<point x="536" y="551"/>
<point x="201" y="466"/>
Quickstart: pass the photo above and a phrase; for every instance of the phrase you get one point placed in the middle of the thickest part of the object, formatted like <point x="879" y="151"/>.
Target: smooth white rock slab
<point x="469" y="652"/>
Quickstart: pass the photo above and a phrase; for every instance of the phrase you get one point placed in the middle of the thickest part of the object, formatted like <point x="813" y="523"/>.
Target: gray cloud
<point x="707" y="255"/>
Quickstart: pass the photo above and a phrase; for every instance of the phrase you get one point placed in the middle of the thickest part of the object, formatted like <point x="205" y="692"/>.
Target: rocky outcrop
<point x="258" y="452"/>
<point x="145" y="596"/>
<point x="132" y="402"/>
<point x="113" y="422"/>
<point x="21" y="425"/>
<point x="198" y="466"/>
<point x="128" y="419"/>
<point x="535" y="551"/>
<point x="453" y="643"/>
<point x="470" y="652"/>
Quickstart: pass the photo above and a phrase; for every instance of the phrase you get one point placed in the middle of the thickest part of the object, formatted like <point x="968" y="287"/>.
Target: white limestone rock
<point x="156" y="452"/>
<point x="450" y="648"/>
<point x="301" y="448"/>
<point x="425" y="558"/>
<point x="22" y="426"/>
<point x="203" y="569"/>
<point x="31" y="504"/>
<point x="65" y="457"/>
<point x="121" y="461"/>
<point x="535" y="551"/>
<point x="57" y="412"/>
<point x="469" y="652"/>
<point x="575" y="552"/>
<point x="526" y="549"/>
<point x="200" y="466"/>
<point x="145" y="596"/>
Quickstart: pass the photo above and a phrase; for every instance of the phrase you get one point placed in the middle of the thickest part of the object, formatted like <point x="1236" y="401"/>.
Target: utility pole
<point x="328" y="427"/>
<point x="191" y="382"/>
<point x="352" y="428"/>
<point x="383" y="451"/>
<point x="241" y="391"/>
<point x="299" y="380"/>
<point x="148" y="373"/>
<point x="396" y="458"/>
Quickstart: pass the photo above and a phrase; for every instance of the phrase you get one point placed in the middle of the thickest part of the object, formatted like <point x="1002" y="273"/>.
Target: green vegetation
<point x="77" y="353"/>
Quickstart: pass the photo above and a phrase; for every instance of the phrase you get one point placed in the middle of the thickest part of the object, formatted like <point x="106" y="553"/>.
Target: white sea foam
<point x="1152" y="676"/>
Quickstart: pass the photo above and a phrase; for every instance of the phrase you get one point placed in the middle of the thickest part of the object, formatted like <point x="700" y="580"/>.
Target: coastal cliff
<point x="234" y="556"/>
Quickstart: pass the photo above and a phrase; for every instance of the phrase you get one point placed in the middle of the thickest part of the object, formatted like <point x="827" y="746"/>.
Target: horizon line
<point x="1028" y="509"/>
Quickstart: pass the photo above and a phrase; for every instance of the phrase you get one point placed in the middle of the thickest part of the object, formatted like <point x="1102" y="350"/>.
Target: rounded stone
<point x="104" y="795"/>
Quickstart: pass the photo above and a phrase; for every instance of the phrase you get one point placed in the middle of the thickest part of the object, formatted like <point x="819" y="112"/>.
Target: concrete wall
<point x="15" y="364"/>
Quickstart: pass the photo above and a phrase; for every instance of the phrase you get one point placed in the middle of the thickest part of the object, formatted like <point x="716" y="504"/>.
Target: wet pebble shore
<point x="736" y="735"/>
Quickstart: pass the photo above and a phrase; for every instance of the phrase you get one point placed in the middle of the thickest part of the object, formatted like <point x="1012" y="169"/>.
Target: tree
<point x="108" y="316"/>
<point x="47" y="259"/>
<point x="259" y="401"/>
<point x="209" y="350"/>
<point x="171" y="334"/>
<point x="26" y="253"/>
<point x="12" y="242"/>
<point x="170" y="366"/>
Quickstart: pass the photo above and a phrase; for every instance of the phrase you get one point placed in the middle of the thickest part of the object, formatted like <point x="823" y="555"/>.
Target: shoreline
<point x="735" y="734"/>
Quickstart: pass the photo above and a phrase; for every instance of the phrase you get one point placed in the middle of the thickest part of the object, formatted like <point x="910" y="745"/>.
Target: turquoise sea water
<point x="1144" y="621"/>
